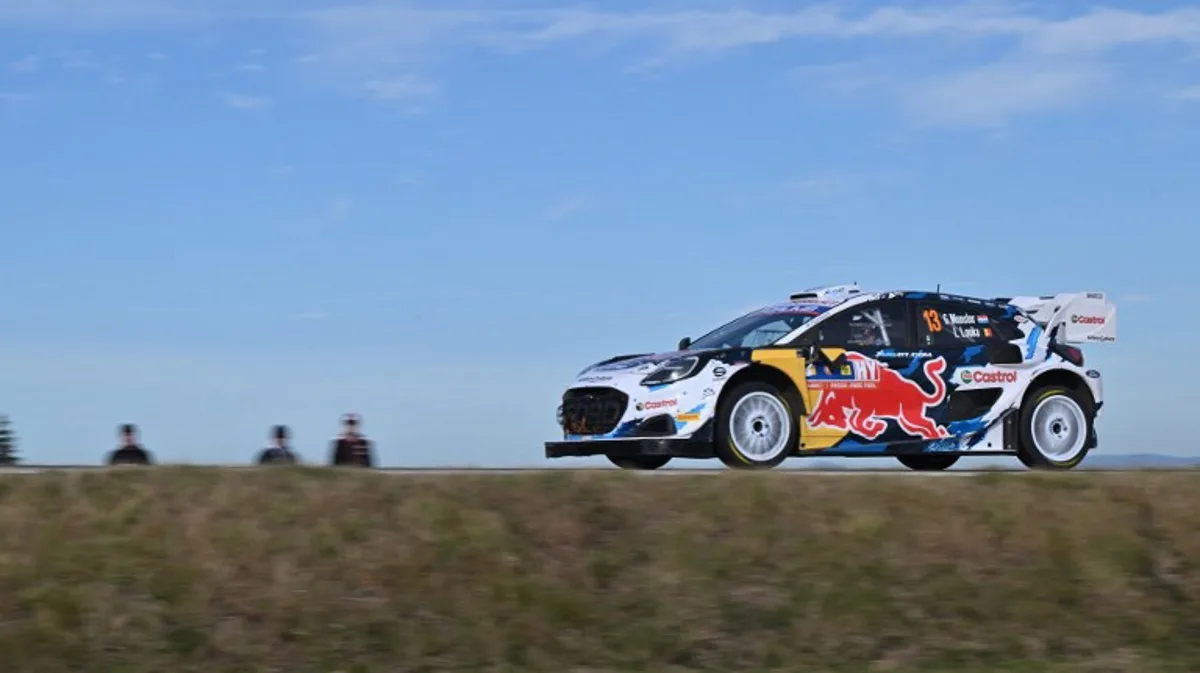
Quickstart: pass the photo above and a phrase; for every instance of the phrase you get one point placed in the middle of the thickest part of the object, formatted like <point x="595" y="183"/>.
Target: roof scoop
<point x="826" y="292"/>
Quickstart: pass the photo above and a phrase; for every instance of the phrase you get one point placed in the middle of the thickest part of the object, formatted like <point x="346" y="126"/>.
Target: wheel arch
<point x="1071" y="380"/>
<point x="766" y="373"/>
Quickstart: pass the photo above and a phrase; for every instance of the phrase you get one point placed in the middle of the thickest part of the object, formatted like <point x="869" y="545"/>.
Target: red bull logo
<point x="880" y="394"/>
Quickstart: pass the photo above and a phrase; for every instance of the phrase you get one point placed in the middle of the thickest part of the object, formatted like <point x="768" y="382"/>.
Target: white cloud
<point x="403" y="87"/>
<point x="410" y="92"/>
<point x="1039" y="61"/>
<point x="994" y="94"/>
<point x="245" y="102"/>
<point x="1103" y="29"/>
<point x="1049" y="63"/>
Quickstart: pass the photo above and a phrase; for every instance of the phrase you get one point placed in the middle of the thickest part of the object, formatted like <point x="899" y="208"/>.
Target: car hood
<point x="628" y="366"/>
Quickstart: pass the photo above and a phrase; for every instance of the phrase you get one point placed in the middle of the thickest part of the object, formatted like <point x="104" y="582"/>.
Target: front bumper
<point x="697" y="445"/>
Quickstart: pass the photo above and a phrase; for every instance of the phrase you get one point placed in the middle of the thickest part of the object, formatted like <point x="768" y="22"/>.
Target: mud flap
<point x="1012" y="430"/>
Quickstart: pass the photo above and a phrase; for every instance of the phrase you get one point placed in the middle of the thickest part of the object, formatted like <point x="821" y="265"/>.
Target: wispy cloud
<point x="250" y="67"/>
<point x="1030" y="60"/>
<point x="994" y="94"/>
<point x="245" y="102"/>
<point x="404" y="87"/>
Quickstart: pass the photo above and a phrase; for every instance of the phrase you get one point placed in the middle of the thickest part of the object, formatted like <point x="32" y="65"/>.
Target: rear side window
<point x="950" y="324"/>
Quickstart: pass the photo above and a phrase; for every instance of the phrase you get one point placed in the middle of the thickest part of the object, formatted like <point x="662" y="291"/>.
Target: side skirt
<point x="999" y="439"/>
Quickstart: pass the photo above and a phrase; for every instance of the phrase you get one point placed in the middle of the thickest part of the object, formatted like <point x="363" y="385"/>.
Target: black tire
<point x="774" y="403"/>
<point x="928" y="462"/>
<point x="639" y="462"/>
<point x="1068" y="409"/>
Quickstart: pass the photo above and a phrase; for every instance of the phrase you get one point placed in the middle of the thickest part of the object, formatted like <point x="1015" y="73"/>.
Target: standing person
<point x="278" y="451"/>
<point x="351" y="448"/>
<point x="129" y="452"/>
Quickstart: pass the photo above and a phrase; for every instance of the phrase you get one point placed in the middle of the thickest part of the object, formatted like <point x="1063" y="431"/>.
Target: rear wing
<point x="1074" y="317"/>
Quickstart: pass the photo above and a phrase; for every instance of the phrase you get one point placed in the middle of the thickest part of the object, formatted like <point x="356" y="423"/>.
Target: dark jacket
<point x="276" y="454"/>
<point x="354" y="451"/>
<point x="130" y="454"/>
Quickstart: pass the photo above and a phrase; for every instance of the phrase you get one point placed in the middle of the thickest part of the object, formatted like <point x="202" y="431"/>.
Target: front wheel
<point x="1055" y="425"/>
<point x="927" y="462"/>
<point x="756" y="427"/>
<point x="639" y="462"/>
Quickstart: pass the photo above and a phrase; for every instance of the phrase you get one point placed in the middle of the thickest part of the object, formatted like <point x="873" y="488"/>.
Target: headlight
<point x="672" y="371"/>
<point x="558" y="415"/>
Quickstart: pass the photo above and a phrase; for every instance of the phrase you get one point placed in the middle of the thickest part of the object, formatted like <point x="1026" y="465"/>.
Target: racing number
<point x="932" y="320"/>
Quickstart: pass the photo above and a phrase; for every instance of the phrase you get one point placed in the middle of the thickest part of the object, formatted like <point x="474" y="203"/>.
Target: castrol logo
<point x="983" y="376"/>
<point x="659" y="404"/>
<point x="1087" y="319"/>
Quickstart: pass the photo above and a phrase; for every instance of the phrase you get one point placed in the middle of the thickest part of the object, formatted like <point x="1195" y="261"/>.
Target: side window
<point x="882" y="325"/>
<point x="949" y="324"/>
<point x="1003" y="329"/>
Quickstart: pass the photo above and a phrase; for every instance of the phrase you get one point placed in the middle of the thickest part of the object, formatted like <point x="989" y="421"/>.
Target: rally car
<point x="926" y="377"/>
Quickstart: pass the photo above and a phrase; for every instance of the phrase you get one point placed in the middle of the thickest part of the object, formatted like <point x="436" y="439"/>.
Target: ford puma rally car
<point x="836" y="371"/>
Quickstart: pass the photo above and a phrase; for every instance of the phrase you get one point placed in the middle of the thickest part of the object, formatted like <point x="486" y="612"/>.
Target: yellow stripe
<point x="795" y="367"/>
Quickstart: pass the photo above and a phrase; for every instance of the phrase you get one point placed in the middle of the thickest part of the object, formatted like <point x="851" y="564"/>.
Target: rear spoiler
<point x="1075" y="317"/>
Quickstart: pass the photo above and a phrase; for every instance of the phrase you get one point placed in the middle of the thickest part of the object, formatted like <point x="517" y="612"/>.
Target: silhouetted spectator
<point x="129" y="452"/>
<point x="278" y="451"/>
<point x="351" y="448"/>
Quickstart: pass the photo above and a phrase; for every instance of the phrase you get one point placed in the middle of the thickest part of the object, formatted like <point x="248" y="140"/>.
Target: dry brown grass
<point x="295" y="569"/>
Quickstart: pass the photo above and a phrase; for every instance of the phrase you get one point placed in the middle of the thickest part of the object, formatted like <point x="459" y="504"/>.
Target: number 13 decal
<point x="932" y="320"/>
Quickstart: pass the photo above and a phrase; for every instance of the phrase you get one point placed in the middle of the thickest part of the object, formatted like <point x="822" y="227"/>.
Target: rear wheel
<point x="756" y="427"/>
<point x="1055" y="425"/>
<point x="927" y="462"/>
<point x="639" y="462"/>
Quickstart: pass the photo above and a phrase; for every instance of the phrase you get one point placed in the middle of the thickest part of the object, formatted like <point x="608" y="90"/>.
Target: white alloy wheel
<point x="1059" y="428"/>
<point x="759" y="426"/>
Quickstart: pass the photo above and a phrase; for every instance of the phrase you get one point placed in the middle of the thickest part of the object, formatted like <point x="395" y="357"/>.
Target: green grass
<point x="300" y="569"/>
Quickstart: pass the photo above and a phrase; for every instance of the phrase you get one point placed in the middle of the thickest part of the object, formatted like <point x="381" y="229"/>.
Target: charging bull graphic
<point x="863" y="395"/>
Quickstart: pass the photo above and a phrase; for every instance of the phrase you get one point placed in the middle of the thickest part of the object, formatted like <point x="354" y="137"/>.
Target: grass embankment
<point x="306" y="570"/>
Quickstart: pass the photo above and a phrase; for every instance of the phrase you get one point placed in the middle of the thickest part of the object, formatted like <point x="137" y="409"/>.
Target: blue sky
<point x="219" y="215"/>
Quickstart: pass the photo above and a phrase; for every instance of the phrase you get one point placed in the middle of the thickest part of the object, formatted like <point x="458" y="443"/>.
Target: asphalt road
<point x="399" y="471"/>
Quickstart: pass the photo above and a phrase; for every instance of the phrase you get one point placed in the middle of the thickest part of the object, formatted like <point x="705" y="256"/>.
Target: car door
<point x="867" y="387"/>
<point x="974" y="342"/>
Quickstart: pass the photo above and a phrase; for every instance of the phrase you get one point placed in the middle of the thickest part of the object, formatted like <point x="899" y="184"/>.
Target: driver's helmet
<point x="863" y="332"/>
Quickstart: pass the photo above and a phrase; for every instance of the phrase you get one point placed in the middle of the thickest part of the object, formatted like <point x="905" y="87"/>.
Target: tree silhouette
<point x="8" y="443"/>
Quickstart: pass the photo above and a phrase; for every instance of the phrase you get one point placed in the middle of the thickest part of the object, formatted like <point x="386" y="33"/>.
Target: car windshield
<point x="760" y="328"/>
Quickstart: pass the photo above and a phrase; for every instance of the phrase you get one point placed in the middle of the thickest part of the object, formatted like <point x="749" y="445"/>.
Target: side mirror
<point x="684" y="343"/>
<point x="809" y="352"/>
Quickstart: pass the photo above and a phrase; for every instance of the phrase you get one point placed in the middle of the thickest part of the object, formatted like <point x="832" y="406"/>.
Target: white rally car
<point x="836" y="371"/>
